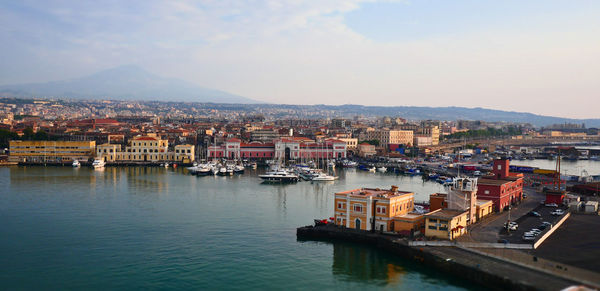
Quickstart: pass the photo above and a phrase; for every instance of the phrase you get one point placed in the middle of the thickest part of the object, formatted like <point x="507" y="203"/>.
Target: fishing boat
<point x="76" y="163"/>
<point x="382" y="169"/>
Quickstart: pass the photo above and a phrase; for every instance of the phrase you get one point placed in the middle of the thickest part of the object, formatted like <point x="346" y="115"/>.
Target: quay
<point x="475" y="266"/>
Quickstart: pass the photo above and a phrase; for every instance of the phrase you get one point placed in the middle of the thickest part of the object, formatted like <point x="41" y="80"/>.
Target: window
<point x="432" y="226"/>
<point x="357" y="207"/>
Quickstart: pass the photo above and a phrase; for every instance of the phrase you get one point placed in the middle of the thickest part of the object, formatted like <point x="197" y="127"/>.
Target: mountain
<point x="458" y="113"/>
<point x="128" y="82"/>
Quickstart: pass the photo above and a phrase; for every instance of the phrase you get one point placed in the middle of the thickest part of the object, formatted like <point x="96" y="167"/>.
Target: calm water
<point x="155" y="228"/>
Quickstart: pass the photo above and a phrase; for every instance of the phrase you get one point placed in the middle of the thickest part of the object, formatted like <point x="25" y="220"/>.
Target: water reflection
<point x="356" y="263"/>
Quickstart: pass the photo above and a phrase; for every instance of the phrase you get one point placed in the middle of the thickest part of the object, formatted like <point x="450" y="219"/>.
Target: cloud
<point x="303" y="52"/>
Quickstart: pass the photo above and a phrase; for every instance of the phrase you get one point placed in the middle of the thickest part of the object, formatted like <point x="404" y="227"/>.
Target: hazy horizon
<point x="541" y="57"/>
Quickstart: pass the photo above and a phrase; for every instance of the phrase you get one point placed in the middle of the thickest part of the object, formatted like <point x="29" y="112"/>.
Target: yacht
<point x="76" y="163"/>
<point x="280" y="175"/>
<point x="98" y="163"/>
<point x="323" y="177"/>
<point x="382" y="169"/>
<point x="349" y="164"/>
<point x="238" y="169"/>
<point x="371" y="169"/>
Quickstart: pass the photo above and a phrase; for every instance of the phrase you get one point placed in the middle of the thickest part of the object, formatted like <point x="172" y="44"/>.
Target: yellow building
<point x="387" y="136"/>
<point x="51" y="151"/>
<point x="410" y="222"/>
<point x="351" y="143"/>
<point x="484" y="208"/>
<point x="446" y="224"/>
<point x="366" y="208"/>
<point x="146" y="149"/>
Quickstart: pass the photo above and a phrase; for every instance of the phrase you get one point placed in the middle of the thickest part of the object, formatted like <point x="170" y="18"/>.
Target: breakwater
<point x="475" y="267"/>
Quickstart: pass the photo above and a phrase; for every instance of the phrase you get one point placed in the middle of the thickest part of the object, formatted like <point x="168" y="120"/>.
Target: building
<point x="351" y="143"/>
<point x="366" y="150"/>
<point x="462" y="196"/>
<point x="50" y="151"/>
<point x="148" y="148"/>
<point x="503" y="188"/>
<point x="264" y="135"/>
<point x="484" y="208"/>
<point x="445" y="223"/>
<point x="438" y="201"/>
<point x="387" y="136"/>
<point x="371" y="209"/>
<point x="409" y="224"/>
<point x="285" y="148"/>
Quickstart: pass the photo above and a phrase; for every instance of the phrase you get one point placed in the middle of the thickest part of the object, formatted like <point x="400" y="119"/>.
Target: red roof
<point x="145" y="138"/>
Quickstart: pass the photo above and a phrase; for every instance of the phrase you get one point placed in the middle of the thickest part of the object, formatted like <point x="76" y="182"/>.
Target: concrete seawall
<point x="477" y="268"/>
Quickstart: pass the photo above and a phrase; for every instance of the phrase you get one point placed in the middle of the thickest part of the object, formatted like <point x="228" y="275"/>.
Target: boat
<point x="250" y="165"/>
<point x="224" y="171"/>
<point x="372" y="169"/>
<point x="166" y="165"/>
<point x="349" y="164"/>
<point x="280" y="175"/>
<point x="382" y="169"/>
<point x="238" y="169"/>
<point x="323" y="177"/>
<point x="98" y="163"/>
<point x="76" y="163"/>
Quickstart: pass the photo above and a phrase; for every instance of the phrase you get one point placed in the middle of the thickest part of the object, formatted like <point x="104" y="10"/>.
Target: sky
<point x="539" y="56"/>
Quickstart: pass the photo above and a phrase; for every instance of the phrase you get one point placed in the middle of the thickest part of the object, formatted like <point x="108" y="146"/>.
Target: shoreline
<point x="474" y="267"/>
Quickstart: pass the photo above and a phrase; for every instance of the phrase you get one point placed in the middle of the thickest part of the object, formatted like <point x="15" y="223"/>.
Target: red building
<point x="502" y="187"/>
<point x="285" y="148"/>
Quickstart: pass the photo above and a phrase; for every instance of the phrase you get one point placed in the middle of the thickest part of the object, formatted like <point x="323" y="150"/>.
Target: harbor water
<point x="157" y="228"/>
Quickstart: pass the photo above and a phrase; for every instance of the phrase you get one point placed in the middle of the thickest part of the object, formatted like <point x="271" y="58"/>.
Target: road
<point x="488" y="230"/>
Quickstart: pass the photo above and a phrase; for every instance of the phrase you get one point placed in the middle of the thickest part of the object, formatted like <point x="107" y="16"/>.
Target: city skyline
<point x="539" y="56"/>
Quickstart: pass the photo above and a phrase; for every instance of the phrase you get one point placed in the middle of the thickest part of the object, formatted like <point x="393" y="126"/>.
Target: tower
<point x="463" y="196"/>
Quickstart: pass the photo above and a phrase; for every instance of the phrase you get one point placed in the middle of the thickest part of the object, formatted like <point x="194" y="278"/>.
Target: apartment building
<point x="25" y="151"/>
<point x="388" y="136"/>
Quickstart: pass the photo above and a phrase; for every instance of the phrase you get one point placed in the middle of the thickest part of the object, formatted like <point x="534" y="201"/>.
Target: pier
<point x="494" y="272"/>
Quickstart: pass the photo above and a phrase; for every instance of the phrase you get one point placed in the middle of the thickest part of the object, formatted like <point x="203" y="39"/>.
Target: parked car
<point x="558" y="212"/>
<point x="551" y="205"/>
<point x="542" y="226"/>
<point x="546" y="223"/>
<point x="536" y="231"/>
<point x="535" y="214"/>
<point x="511" y="225"/>
<point x="528" y="237"/>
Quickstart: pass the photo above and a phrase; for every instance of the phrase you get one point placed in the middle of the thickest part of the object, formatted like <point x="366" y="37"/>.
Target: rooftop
<point x="376" y="192"/>
<point x="445" y="213"/>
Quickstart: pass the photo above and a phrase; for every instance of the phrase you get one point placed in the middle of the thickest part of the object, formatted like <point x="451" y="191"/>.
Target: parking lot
<point x="527" y="222"/>
<point x="576" y="242"/>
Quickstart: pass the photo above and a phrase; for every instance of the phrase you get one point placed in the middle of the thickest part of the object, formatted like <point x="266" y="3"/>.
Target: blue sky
<point x="535" y="56"/>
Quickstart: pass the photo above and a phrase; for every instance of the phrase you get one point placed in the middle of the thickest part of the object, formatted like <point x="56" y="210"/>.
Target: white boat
<point x="323" y="177"/>
<point x="372" y="169"/>
<point x="382" y="169"/>
<point x="238" y="169"/>
<point x="76" y="163"/>
<point x="166" y="165"/>
<point x="98" y="163"/>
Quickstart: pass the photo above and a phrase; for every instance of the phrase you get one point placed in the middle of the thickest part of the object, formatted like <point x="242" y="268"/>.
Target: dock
<point x="490" y="271"/>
